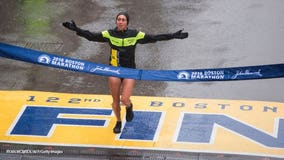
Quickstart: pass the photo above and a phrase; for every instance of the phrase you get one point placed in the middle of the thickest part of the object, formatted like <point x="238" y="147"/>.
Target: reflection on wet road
<point x="222" y="33"/>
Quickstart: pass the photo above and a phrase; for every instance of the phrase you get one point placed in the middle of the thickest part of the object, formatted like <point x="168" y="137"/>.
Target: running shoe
<point x="117" y="127"/>
<point x="129" y="113"/>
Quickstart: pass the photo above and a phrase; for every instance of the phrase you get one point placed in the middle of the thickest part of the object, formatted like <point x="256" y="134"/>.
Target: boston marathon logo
<point x="61" y="62"/>
<point x="202" y="75"/>
<point x="183" y="75"/>
<point x="45" y="59"/>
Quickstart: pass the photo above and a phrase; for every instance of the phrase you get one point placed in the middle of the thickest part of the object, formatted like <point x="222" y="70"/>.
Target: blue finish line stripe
<point x="214" y="74"/>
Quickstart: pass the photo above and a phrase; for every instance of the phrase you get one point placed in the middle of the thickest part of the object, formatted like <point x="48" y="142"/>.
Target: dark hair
<point x="125" y="14"/>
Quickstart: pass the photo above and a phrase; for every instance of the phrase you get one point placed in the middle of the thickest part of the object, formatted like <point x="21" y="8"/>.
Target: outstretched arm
<point x="163" y="37"/>
<point x="91" y="36"/>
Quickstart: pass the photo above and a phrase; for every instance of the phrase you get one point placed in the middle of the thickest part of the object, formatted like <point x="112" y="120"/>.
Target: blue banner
<point x="215" y="74"/>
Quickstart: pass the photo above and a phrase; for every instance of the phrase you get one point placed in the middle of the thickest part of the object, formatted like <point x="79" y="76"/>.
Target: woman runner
<point x="122" y="43"/>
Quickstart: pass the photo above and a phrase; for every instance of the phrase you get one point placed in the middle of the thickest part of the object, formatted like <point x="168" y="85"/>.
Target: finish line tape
<point x="195" y="75"/>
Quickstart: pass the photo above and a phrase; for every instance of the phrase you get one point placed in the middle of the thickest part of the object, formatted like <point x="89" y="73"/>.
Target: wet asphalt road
<point x="222" y="33"/>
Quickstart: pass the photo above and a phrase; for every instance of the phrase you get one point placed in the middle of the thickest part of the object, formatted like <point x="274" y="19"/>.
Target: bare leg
<point x="127" y="88"/>
<point x="114" y="85"/>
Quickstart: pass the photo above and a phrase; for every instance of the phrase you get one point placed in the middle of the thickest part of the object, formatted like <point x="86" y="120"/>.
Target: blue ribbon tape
<point x="214" y="74"/>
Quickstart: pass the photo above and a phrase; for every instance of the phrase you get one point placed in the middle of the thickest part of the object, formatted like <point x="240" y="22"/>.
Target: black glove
<point x="71" y="25"/>
<point x="180" y="35"/>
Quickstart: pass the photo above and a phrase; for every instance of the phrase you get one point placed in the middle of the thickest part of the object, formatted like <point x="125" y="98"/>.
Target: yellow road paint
<point x="160" y="123"/>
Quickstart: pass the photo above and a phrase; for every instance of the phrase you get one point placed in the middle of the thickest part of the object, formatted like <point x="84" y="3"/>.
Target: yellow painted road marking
<point x="168" y="121"/>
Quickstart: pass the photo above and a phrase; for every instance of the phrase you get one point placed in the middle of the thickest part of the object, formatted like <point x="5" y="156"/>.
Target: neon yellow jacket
<point x="123" y="43"/>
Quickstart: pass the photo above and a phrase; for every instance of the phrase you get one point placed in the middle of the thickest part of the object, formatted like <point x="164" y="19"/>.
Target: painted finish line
<point x="214" y="74"/>
<point x="160" y="123"/>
